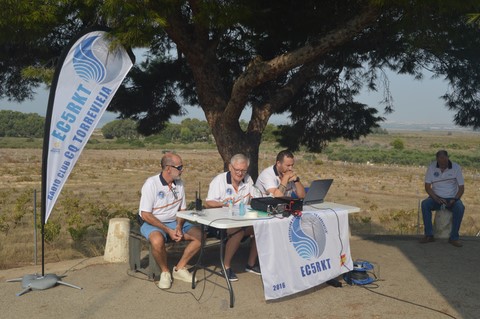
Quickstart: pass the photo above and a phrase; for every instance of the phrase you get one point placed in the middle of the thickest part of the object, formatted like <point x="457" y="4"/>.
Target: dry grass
<point x="389" y="196"/>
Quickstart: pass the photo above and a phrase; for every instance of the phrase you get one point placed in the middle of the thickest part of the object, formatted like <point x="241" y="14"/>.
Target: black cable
<point x="73" y="267"/>
<point x="174" y="292"/>
<point x="339" y="236"/>
<point x="408" y="302"/>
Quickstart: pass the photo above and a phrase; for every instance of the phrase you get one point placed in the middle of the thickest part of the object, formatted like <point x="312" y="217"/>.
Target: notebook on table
<point x="317" y="191"/>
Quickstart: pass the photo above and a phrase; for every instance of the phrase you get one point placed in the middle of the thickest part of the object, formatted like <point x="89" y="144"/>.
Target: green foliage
<point x="188" y="131"/>
<point x="18" y="124"/>
<point x="14" y="142"/>
<point x="126" y="129"/>
<point x="102" y="216"/>
<point x="78" y="232"/>
<point x="400" y="222"/>
<point x="397" y="144"/>
<point x="74" y="212"/>
<point x="52" y="230"/>
<point x="269" y="133"/>
<point x="23" y="205"/>
<point x="318" y="162"/>
<point x="4" y="225"/>
<point x="452" y="146"/>
<point x="309" y="157"/>
<point x="379" y="130"/>
<point x="130" y="143"/>
<point x="393" y="156"/>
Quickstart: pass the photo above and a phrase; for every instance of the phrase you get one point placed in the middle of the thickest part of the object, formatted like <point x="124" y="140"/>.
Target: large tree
<point x="307" y="58"/>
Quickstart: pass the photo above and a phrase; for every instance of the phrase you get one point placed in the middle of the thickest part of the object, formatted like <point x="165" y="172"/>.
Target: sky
<point x="415" y="102"/>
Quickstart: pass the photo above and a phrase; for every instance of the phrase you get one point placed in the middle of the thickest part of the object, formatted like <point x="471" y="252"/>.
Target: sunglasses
<point x="179" y="167"/>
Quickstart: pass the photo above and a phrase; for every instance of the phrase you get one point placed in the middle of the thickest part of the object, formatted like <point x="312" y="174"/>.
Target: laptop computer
<point x="317" y="191"/>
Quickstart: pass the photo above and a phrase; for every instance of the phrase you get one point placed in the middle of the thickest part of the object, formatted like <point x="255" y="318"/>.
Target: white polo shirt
<point x="221" y="189"/>
<point x="269" y="178"/>
<point x="444" y="184"/>
<point x="161" y="200"/>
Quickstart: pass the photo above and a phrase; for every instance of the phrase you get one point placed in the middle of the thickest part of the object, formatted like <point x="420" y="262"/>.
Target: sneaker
<point x="253" y="269"/>
<point x="182" y="274"/>
<point x="230" y="275"/>
<point x="455" y="243"/>
<point x="165" y="280"/>
<point x="427" y="239"/>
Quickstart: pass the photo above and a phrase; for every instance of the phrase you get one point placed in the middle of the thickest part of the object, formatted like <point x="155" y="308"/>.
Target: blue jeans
<point x="457" y="210"/>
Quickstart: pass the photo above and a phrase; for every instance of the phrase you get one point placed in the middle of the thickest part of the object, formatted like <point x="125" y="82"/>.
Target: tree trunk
<point x="237" y="141"/>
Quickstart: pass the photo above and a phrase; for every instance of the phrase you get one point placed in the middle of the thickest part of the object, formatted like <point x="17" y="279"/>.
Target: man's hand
<point x="176" y="234"/>
<point x="289" y="176"/>
<point x="450" y="203"/>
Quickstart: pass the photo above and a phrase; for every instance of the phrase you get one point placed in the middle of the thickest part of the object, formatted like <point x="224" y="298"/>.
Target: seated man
<point x="444" y="185"/>
<point x="236" y="186"/>
<point x="280" y="179"/>
<point x="162" y="196"/>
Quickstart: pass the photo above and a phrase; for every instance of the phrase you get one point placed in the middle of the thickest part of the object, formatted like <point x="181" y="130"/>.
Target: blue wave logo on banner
<point x="307" y="236"/>
<point x="92" y="58"/>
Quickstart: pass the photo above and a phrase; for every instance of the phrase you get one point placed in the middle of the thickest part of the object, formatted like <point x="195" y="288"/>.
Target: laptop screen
<point x="317" y="191"/>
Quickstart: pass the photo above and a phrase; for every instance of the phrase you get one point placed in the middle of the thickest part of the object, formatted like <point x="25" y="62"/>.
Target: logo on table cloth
<point x="92" y="59"/>
<point x="308" y="236"/>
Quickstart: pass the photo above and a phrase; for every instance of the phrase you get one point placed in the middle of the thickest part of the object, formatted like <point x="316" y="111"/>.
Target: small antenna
<point x="198" y="199"/>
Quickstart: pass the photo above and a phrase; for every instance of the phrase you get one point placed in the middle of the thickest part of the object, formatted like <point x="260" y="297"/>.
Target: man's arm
<point x="290" y="176"/>
<point x="461" y="190"/>
<point x="213" y="204"/>
<point x="299" y="188"/>
<point x="431" y="193"/>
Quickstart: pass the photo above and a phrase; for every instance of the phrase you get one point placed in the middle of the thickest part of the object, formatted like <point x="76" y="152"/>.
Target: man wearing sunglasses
<point x="236" y="186"/>
<point x="162" y="196"/>
<point x="280" y="179"/>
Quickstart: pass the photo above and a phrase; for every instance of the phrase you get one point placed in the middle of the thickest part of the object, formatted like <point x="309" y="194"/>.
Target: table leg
<point x="199" y="262"/>
<point x="222" y="250"/>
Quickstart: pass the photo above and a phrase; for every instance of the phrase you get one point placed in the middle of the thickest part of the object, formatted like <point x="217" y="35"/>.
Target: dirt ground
<point x="434" y="280"/>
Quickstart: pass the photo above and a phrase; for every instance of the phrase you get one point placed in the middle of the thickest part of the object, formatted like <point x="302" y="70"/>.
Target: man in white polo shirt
<point x="235" y="186"/>
<point x="163" y="195"/>
<point x="444" y="185"/>
<point x="280" y="179"/>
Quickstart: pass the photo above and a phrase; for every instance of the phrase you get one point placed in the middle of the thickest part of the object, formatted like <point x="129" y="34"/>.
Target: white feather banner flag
<point x="87" y="77"/>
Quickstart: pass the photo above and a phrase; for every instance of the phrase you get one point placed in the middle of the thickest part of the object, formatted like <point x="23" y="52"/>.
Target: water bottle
<point x="242" y="209"/>
<point x="230" y="207"/>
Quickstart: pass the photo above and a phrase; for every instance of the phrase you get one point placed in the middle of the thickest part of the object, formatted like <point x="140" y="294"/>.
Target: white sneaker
<point x="182" y="274"/>
<point x="165" y="280"/>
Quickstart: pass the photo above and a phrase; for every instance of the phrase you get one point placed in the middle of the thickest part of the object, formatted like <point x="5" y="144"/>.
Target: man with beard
<point x="162" y="196"/>
<point x="280" y="179"/>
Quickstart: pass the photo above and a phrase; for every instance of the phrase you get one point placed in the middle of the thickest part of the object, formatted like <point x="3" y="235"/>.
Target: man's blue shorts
<point x="146" y="229"/>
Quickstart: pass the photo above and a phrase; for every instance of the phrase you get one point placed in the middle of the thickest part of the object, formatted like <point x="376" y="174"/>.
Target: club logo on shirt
<point x="161" y="194"/>
<point x="229" y="192"/>
<point x="436" y="174"/>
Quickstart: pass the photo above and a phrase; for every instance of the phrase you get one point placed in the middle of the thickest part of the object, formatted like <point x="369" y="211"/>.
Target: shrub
<point x="397" y="144"/>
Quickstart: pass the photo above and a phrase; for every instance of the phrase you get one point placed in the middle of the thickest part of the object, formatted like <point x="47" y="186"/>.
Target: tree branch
<point x="259" y="72"/>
